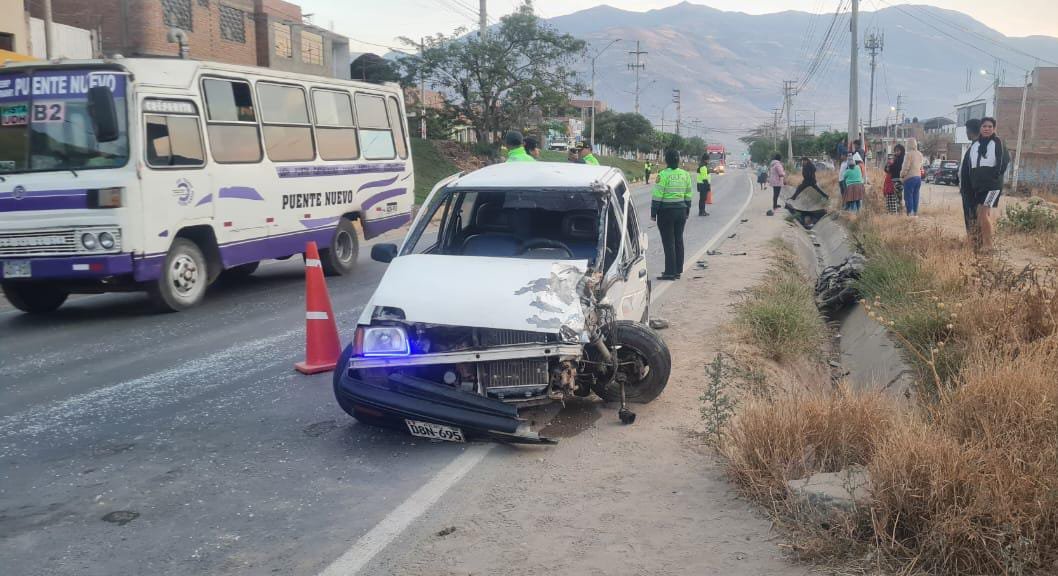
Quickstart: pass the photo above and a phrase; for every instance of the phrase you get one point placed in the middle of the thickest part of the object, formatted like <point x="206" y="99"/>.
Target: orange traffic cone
<point x="709" y="196"/>
<point x="321" y="333"/>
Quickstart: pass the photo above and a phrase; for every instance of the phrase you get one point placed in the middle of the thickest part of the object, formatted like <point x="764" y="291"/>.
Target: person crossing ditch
<point x="516" y="145"/>
<point x="704" y="185"/>
<point x="669" y="207"/>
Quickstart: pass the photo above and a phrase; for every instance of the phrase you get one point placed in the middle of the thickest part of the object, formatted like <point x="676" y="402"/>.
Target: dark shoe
<point x="678" y="276"/>
<point x="666" y="277"/>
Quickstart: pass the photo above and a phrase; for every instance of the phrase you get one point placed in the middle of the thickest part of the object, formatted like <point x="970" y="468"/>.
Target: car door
<point x="626" y="277"/>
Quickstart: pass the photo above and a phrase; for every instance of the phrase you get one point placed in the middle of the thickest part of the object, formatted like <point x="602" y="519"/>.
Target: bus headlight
<point x="88" y="240"/>
<point x="106" y="240"/>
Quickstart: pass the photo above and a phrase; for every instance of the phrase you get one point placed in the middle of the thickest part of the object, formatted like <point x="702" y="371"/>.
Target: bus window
<point x="335" y="129"/>
<point x="231" y="122"/>
<point x="173" y="141"/>
<point x="398" y="126"/>
<point x="285" y="116"/>
<point x="375" y="136"/>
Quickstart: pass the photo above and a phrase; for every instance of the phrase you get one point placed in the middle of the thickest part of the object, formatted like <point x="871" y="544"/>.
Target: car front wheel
<point x="643" y="365"/>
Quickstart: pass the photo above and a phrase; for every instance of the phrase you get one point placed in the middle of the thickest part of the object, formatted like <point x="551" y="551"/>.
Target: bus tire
<point x="34" y="298"/>
<point x="239" y="272"/>
<point x="184" y="278"/>
<point x="339" y="259"/>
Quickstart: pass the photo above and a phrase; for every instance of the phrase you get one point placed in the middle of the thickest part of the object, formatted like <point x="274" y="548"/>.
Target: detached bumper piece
<point x="418" y="399"/>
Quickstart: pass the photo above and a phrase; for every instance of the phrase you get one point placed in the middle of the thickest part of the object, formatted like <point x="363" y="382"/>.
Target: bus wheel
<point x="34" y="298"/>
<point x="340" y="258"/>
<point x="184" y="278"/>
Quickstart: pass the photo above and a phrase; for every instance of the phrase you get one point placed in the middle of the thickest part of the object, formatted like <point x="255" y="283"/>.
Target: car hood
<point x="481" y="292"/>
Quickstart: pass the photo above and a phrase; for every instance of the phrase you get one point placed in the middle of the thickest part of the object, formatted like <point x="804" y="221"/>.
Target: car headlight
<point x="106" y="240"/>
<point x="88" y="240"/>
<point x="383" y="341"/>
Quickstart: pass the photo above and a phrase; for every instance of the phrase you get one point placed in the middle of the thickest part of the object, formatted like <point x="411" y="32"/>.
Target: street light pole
<point x="1021" y="130"/>
<point x="593" y="59"/>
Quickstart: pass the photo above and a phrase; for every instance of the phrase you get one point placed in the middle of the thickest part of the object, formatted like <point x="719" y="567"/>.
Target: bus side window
<point x="231" y="122"/>
<point x="173" y="141"/>
<point x="335" y="128"/>
<point x="285" y="116"/>
<point x="375" y="136"/>
<point x="397" y="122"/>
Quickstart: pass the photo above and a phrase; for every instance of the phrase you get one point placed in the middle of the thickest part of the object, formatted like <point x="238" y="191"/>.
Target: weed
<point x="1030" y="217"/>
<point x="720" y="406"/>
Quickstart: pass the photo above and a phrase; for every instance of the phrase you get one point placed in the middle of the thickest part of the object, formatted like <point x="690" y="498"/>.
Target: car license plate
<point x="434" y="431"/>
<point x="17" y="269"/>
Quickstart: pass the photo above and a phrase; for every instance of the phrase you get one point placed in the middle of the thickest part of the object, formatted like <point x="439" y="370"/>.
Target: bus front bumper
<point x="65" y="267"/>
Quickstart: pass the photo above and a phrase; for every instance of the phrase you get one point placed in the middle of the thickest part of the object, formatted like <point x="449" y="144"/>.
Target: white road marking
<point x="386" y="531"/>
<point x="657" y="292"/>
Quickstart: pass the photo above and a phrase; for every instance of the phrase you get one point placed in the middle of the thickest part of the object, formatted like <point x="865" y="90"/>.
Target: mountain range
<point x="730" y="66"/>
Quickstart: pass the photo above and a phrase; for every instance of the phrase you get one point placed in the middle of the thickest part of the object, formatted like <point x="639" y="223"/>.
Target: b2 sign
<point x="49" y="112"/>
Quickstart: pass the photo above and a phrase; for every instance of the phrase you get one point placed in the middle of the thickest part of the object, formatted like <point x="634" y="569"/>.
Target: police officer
<point x="513" y="141"/>
<point x="586" y="154"/>
<point x="670" y="206"/>
<point x="704" y="185"/>
<point x="648" y="168"/>
<point x="532" y="147"/>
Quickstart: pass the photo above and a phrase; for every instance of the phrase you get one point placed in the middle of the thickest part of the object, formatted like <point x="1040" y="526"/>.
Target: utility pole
<point x="676" y="99"/>
<point x="636" y="67"/>
<point x="593" y="59"/>
<point x="854" y="75"/>
<point x="422" y="90"/>
<point x="49" y="32"/>
<point x="874" y="44"/>
<point x="483" y="18"/>
<point x="788" y="91"/>
<point x="775" y="114"/>
<point x="1021" y="130"/>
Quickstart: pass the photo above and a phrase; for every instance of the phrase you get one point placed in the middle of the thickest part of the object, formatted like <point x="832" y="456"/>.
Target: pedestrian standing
<point x="669" y="207"/>
<point x="647" y="169"/>
<point x="969" y="209"/>
<point x="988" y="163"/>
<point x="573" y="156"/>
<point x="911" y="176"/>
<point x="808" y="179"/>
<point x="532" y="147"/>
<point x="516" y="148"/>
<point x="892" y="205"/>
<point x="894" y="202"/>
<point x="762" y="177"/>
<point x="776" y="179"/>
<point x="853" y="178"/>
<point x="704" y="185"/>
<point x="586" y="154"/>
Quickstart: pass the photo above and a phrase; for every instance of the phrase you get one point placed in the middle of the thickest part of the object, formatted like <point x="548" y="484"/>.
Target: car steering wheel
<point x="534" y="243"/>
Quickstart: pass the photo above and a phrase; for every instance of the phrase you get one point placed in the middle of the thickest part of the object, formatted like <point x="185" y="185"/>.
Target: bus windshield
<point x="45" y="124"/>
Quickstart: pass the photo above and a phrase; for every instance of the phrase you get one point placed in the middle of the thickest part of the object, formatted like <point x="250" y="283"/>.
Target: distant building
<point x="585" y="108"/>
<point x="1039" y="159"/>
<point x="14" y="27"/>
<point x="270" y="33"/>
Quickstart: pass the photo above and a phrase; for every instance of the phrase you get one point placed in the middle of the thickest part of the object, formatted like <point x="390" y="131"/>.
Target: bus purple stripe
<point x="44" y="200"/>
<point x="380" y="197"/>
<point x="241" y="192"/>
<point x="377" y="183"/>
<point x="373" y="228"/>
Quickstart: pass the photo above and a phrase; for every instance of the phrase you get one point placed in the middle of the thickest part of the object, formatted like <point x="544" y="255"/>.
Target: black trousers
<point x="671" y="220"/>
<point x="775" y="191"/>
<point x="806" y="185"/>
<point x="703" y="191"/>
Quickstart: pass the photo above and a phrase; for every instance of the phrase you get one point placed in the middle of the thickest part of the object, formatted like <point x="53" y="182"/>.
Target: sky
<point x="380" y="24"/>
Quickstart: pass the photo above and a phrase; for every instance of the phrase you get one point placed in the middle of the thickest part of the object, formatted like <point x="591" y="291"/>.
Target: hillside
<point x="730" y="65"/>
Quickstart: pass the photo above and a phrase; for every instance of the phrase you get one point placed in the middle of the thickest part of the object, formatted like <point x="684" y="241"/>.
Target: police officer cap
<point x="582" y="145"/>
<point x="513" y="139"/>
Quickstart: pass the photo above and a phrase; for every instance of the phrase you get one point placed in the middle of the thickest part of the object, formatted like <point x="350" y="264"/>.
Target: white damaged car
<point x="517" y="285"/>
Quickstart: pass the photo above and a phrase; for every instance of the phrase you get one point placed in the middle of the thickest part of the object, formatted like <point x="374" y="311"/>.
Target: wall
<point x="1039" y="161"/>
<point x="13" y="21"/>
<point x="69" y="42"/>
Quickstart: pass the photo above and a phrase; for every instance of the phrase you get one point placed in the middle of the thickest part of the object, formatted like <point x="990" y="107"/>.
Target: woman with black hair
<point x="894" y="201"/>
<point x="776" y="179"/>
<point x="670" y="206"/>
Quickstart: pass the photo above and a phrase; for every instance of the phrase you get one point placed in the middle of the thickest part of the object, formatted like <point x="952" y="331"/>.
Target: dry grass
<point x="966" y="480"/>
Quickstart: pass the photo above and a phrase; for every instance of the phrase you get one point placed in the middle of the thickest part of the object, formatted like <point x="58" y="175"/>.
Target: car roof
<point x="536" y="175"/>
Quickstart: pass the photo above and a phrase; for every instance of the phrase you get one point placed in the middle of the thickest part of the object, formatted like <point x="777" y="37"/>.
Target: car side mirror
<point x="384" y="253"/>
<point x="103" y="113"/>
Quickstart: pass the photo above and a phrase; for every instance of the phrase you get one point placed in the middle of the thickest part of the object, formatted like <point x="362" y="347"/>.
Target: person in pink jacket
<point x="776" y="179"/>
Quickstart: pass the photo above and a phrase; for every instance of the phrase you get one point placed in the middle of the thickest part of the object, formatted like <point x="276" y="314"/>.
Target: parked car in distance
<point x="948" y="173"/>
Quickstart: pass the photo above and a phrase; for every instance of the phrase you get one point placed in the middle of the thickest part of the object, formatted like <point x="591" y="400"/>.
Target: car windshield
<point x="541" y="224"/>
<point x="45" y="124"/>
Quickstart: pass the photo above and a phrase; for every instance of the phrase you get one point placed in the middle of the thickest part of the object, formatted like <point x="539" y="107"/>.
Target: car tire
<point x="638" y="340"/>
<point x="33" y="298"/>
<point x="239" y="272"/>
<point x="183" y="280"/>
<point x="339" y="259"/>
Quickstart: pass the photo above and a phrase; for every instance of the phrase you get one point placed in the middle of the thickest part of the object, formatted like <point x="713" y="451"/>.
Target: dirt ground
<point x="647" y="499"/>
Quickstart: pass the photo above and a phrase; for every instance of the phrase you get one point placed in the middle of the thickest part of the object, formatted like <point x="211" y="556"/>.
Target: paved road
<point x="134" y="443"/>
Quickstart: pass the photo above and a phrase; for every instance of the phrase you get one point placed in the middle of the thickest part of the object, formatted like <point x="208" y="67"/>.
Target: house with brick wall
<point x="1039" y="157"/>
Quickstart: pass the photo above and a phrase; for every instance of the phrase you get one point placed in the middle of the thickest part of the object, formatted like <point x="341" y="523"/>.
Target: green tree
<point x="694" y="147"/>
<point x="497" y="77"/>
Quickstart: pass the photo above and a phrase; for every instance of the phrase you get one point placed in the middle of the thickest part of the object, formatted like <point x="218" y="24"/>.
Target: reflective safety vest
<point x="591" y="159"/>
<point x="519" y="155"/>
<point x="703" y="174"/>
<point x="673" y="185"/>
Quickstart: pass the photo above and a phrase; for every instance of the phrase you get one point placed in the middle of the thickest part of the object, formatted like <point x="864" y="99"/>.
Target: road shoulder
<point x="610" y="499"/>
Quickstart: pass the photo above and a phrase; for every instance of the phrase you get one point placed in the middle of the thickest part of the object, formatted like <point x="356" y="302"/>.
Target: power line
<point x="824" y="53"/>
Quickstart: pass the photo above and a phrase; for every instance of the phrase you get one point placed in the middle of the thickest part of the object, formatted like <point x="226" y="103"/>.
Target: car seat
<point x="495" y="235"/>
<point x="580" y="231"/>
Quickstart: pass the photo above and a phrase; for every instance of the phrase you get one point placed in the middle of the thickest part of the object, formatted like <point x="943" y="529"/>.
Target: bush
<point x="1030" y="217"/>
<point x="780" y="314"/>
